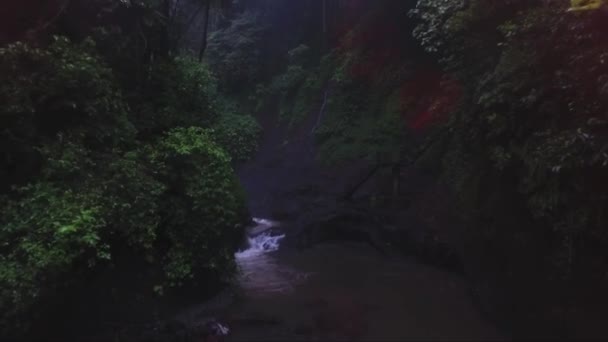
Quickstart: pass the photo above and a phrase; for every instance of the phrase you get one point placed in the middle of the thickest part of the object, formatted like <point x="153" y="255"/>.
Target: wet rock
<point x="255" y="320"/>
<point x="270" y="231"/>
<point x="341" y="223"/>
<point x="216" y="329"/>
<point x="388" y="233"/>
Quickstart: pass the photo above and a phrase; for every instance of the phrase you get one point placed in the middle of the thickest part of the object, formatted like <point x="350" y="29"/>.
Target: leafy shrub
<point x="298" y="88"/>
<point x="177" y="211"/>
<point x="57" y="231"/>
<point x="516" y="78"/>
<point x="44" y="92"/>
<point x="299" y="55"/>
<point x="62" y="86"/>
<point x="182" y="93"/>
<point x="44" y="235"/>
<point x="202" y="208"/>
<point x="234" y="52"/>
<point x="359" y="126"/>
<point x="308" y="96"/>
<point x="238" y="135"/>
<point x="289" y="81"/>
<point x="101" y="198"/>
<point x="363" y="116"/>
<point x="530" y="139"/>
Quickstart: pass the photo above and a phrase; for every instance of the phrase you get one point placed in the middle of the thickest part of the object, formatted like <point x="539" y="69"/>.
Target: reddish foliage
<point x="433" y="96"/>
<point x="19" y="17"/>
<point x="378" y="53"/>
<point x="426" y="99"/>
<point x="373" y="40"/>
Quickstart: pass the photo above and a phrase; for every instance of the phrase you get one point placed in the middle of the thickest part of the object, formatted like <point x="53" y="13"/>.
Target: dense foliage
<point x="527" y="149"/>
<point x="114" y="160"/>
<point x="234" y="51"/>
<point x="117" y="148"/>
<point x="353" y="91"/>
<point x="515" y="91"/>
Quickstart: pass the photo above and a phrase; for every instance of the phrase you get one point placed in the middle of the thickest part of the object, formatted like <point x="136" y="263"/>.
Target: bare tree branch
<point x="62" y="9"/>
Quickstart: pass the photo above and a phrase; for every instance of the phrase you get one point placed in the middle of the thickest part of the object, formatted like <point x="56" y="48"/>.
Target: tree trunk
<point x="324" y="26"/>
<point x="201" y="52"/>
<point x="324" y="17"/>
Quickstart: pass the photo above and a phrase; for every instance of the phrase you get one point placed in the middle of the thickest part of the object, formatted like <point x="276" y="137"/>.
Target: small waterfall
<point x="260" y="272"/>
<point x="321" y="111"/>
<point x="260" y="244"/>
<point x="260" y="240"/>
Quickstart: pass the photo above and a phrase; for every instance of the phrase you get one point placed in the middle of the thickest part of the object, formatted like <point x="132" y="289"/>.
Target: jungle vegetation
<point x="122" y="123"/>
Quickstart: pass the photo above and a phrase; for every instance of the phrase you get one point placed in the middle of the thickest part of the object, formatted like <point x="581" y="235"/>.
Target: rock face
<point x="283" y="179"/>
<point x="401" y="232"/>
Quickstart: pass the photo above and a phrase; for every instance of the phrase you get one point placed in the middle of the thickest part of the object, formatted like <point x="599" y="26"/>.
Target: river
<point x="345" y="291"/>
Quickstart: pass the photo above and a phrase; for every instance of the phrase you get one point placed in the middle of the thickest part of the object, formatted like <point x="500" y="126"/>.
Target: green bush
<point x="524" y="115"/>
<point x="363" y="118"/>
<point x="44" y="235"/>
<point x="101" y="198"/>
<point x="46" y="93"/>
<point x="298" y="88"/>
<point x="56" y="232"/>
<point x="299" y="55"/>
<point x="181" y="93"/>
<point x="234" y="52"/>
<point x="299" y="91"/>
<point x="238" y="135"/>
<point x="288" y="82"/>
<point x="65" y="85"/>
<point x="202" y="207"/>
<point x="176" y="207"/>
<point x="525" y="151"/>
<point x="359" y="125"/>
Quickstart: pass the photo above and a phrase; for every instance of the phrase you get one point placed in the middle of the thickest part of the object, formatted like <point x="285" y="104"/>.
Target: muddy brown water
<point x="347" y="291"/>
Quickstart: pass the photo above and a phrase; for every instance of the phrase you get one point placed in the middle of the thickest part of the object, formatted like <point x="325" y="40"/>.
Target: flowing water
<point x="345" y="291"/>
<point x="321" y="111"/>
<point x="260" y="272"/>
